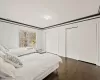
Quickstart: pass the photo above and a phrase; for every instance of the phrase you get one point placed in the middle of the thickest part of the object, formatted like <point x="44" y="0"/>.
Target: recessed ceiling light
<point x="47" y="17"/>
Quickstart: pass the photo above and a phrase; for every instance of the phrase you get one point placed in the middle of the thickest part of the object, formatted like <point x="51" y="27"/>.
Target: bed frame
<point x="44" y="74"/>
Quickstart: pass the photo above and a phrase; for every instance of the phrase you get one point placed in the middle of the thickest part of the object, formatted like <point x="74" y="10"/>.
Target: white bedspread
<point x="35" y="64"/>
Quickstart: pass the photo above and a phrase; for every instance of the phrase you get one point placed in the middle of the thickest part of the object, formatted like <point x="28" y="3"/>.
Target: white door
<point x="82" y="42"/>
<point x="71" y="43"/>
<point x="52" y="41"/>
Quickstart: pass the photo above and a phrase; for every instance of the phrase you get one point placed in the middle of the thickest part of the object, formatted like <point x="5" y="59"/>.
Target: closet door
<point x="52" y="41"/>
<point x="88" y="41"/>
<point x="82" y="42"/>
<point x="71" y="42"/>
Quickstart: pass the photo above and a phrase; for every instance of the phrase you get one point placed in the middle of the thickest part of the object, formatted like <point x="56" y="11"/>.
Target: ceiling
<point x="43" y="13"/>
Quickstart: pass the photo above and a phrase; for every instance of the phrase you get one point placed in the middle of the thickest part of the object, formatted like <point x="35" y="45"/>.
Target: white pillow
<point x="3" y="49"/>
<point x="1" y="53"/>
<point x="13" y="60"/>
<point x="21" y="51"/>
<point x="6" y="69"/>
<point x="17" y="51"/>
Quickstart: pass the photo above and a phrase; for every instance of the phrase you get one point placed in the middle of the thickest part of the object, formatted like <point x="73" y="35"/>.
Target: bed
<point x="37" y="66"/>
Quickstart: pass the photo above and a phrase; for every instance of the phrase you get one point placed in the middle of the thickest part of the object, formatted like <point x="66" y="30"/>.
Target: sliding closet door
<point x="81" y="42"/>
<point x="52" y="41"/>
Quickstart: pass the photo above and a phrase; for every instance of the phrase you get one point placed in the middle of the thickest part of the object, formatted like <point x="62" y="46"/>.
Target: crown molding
<point x="19" y="23"/>
<point x="86" y="18"/>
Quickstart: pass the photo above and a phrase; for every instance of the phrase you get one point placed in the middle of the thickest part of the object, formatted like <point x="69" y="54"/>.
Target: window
<point x="27" y="39"/>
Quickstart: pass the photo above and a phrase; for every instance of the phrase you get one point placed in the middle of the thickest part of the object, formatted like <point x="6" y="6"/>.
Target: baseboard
<point x="87" y="62"/>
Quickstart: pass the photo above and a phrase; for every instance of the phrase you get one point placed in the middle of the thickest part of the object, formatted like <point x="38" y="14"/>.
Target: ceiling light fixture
<point x="47" y="17"/>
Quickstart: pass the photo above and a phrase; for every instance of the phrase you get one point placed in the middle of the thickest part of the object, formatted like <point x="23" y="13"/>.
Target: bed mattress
<point x="37" y="66"/>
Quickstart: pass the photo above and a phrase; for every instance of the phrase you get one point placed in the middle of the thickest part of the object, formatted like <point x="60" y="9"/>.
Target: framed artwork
<point x="27" y="39"/>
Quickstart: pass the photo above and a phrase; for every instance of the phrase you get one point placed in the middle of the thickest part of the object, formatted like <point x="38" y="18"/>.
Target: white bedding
<point x="36" y="64"/>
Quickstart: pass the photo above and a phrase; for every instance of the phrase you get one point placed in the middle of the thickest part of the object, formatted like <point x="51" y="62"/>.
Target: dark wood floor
<point x="75" y="70"/>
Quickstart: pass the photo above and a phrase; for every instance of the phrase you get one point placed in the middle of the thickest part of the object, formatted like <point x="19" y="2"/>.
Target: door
<point x="82" y="42"/>
<point x="71" y="42"/>
<point x="88" y="41"/>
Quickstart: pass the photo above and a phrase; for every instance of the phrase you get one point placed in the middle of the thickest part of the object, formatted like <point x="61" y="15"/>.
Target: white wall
<point x="52" y="40"/>
<point x="39" y="39"/>
<point x="44" y="40"/>
<point x="61" y="35"/>
<point x="9" y="35"/>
